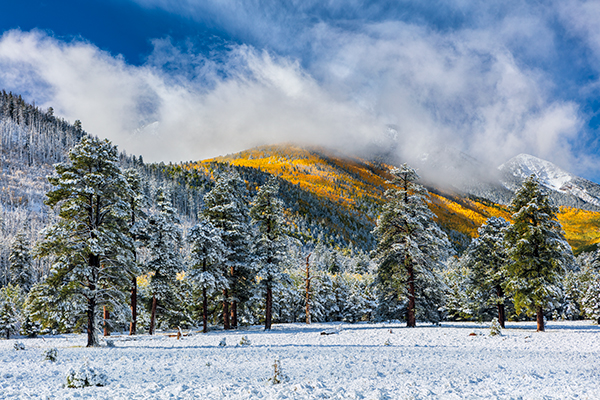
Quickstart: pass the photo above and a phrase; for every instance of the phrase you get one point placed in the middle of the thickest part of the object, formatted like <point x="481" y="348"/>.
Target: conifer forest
<point x="99" y="243"/>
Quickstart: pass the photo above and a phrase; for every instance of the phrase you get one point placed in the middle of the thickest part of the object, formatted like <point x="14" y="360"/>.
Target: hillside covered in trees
<point x="273" y="234"/>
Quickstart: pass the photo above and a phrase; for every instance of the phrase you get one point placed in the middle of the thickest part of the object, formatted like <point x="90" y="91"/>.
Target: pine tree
<point x="268" y="249"/>
<point x="538" y="251"/>
<point x="90" y="242"/>
<point x="11" y="305"/>
<point x="589" y="278"/>
<point x="410" y="248"/>
<point x="8" y="320"/>
<point x="20" y="262"/>
<point x="487" y="259"/>
<point x="163" y="242"/>
<point x="207" y="256"/>
<point x="137" y="225"/>
<point x="226" y="210"/>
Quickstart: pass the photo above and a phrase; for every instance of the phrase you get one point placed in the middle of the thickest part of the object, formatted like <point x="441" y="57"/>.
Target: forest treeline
<point x="165" y="246"/>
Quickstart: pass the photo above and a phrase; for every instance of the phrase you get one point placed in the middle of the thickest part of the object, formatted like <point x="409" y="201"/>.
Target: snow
<point x="353" y="362"/>
<point x="549" y="174"/>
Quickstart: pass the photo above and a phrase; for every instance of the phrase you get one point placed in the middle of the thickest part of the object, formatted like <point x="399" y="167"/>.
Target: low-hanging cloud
<point x="263" y="99"/>
<point x="461" y="88"/>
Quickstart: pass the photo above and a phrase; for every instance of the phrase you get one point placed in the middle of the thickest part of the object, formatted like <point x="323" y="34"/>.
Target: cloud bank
<point x="340" y="80"/>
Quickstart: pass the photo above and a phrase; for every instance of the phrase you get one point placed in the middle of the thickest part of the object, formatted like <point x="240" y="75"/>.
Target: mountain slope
<point x="353" y="188"/>
<point x="564" y="188"/>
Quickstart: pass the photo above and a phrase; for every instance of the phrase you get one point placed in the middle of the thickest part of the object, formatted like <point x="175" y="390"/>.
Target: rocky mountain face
<point x="565" y="189"/>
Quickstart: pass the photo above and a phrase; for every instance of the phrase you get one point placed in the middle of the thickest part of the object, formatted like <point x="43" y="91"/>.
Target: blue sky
<point x="185" y="80"/>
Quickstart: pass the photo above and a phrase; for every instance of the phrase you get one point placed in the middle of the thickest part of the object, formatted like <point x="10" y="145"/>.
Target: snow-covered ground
<point x="354" y="361"/>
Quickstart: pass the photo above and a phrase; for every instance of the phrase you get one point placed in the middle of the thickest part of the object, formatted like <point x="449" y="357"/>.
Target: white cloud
<point x="461" y="88"/>
<point x="148" y="112"/>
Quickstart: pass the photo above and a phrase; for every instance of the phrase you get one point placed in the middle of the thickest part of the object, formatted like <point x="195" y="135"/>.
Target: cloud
<point x="334" y="76"/>
<point x="463" y="90"/>
<point x="167" y="116"/>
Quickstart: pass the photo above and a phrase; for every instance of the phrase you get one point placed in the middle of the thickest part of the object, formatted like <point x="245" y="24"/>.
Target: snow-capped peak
<point x="549" y="174"/>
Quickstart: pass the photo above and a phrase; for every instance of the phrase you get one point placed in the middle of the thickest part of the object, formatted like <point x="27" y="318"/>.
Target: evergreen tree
<point x="20" y="262"/>
<point x="589" y="278"/>
<point x="90" y="242"/>
<point x="538" y="251"/>
<point x="207" y="256"/>
<point x="11" y="305"/>
<point x="269" y="248"/>
<point x="9" y="323"/>
<point x="226" y="210"/>
<point x="163" y="242"/>
<point x="410" y="248"/>
<point x="486" y="258"/>
<point x="137" y="225"/>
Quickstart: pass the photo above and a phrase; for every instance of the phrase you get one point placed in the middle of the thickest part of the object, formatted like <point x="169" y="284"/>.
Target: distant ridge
<point x="565" y="189"/>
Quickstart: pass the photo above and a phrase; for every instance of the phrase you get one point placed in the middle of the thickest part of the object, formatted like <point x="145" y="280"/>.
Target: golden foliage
<point x="582" y="228"/>
<point x="352" y="182"/>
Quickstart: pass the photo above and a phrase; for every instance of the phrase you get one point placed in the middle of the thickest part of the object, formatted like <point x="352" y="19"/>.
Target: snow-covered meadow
<point x="352" y="361"/>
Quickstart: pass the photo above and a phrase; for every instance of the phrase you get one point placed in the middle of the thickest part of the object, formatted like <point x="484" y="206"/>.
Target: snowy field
<point x="354" y="361"/>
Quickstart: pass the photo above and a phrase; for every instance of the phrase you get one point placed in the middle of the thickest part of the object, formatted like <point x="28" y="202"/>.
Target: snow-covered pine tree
<point x="269" y="247"/>
<point x="461" y="298"/>
<point x="487" y="259"/>
<point x="589" y="278"/>
<point x="163" y="241"/>
<point x="207" y="256"/>
<point x="20" y="262"/>
<point x="410" y="248"/>
<point x="137" y="225"/>
<point x="226" y="209"/>
<point x="8" y="320"/>
<point x="538" y="251"/>
<point x="90" y="242"/>
<point x="10" y="309"/>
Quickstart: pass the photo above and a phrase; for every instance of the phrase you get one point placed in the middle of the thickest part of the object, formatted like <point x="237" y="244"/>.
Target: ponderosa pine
<point x="226" y="209"/>
<point x="268" y="248"/>
<point x="90" y="242"/>
<point x="486" y="257"/>
<point x="207" y="256"/>
<point x="537" y="249"/>
<point x="410" y="248"/>
<point x="163" y="241"/>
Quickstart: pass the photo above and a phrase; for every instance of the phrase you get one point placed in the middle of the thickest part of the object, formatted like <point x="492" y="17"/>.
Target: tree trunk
<point x="133" y="323"/>
<point x="106" y="315"/>
<point x="204" y="311"/>
<point x="226" y="310"/>
<point x="269" y="307"/>
<point x="540" y="319"/>
<point x="91" y="328"/>
<point x="501" y="316"/>
<point x="153" y="315"/>
<point x="411" y="321"/>
<point x="307" y="290"/>
<point x="94" y="263"/>
<point x="234" y="319"/>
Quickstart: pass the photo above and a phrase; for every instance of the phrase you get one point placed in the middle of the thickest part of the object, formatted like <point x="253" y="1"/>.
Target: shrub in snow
<point x="86" y="376"/>
<point x="223" y="342"/>
<point x="110" y="343"/>
<point x="19" y="346"/>
<point x="51" y="355"/>
<point x="245" y="341"/>
<point x="495" y="328"/>
<point x="278" y="375"/>
<point x="30" y="328"/>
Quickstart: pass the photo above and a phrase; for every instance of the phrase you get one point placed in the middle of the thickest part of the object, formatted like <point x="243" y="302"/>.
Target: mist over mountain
<point x="452" y="170"/>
